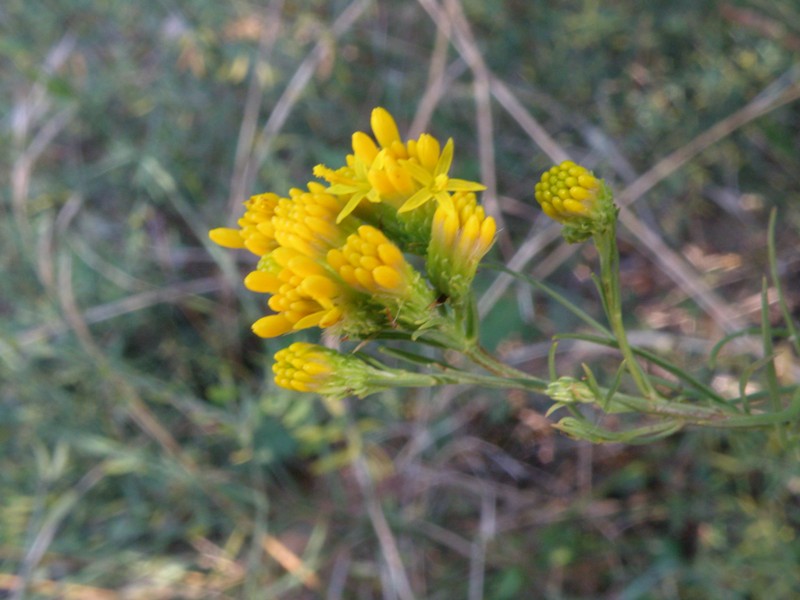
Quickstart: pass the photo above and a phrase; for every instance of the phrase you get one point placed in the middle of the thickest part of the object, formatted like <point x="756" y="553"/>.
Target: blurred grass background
<point x="145" y="452"/>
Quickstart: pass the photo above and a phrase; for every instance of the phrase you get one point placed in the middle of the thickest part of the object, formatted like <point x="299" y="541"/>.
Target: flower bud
<point x="461" y="234"/>
<point x="305" y="367"/>
<point x="256" y="232"/>
<point x="573" y="196"/>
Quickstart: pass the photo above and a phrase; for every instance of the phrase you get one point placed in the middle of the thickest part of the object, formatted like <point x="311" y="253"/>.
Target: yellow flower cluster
<point x="327" y="259"/>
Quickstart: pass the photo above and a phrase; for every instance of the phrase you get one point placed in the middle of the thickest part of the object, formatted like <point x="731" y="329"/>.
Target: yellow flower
<point x="434" y="180"/>
<point x="461" y="235"/>
<point x="351" y="182"/>
<point x="573" y="196"/>
<point x="256" y="232"/>
<point x="359" y="288"/>
<point x="386" y="132"/>
<point x="324" y="266"/>
<point x="465" y="232"/>
<point x="407" y="175"/>
<point x="371" y="264"/>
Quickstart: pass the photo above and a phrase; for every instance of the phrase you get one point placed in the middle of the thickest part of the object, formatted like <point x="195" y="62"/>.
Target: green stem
<point x="486" y="381"/>
<point x="705" y="390"/>
<point x="606" y="243"/>
<point x="769" y="353"/>
<point x="481" y="357"/>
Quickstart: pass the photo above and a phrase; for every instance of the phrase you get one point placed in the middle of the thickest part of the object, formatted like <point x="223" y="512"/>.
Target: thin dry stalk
<point x="255" y="94"/>
<point x="436" y="85"/>
<point x="453" y="24"/>
<point x="55" y="516"/>
<point x="380" y="525"/>
<point x="486" y="532"/>
<point x="472" y="55"/>
<point x="294" y="90"/>
<point x="110" y="310"/>
<point x="25" y="117"/>
<point x="391" y="554"/>
<point x="529" y="124"/>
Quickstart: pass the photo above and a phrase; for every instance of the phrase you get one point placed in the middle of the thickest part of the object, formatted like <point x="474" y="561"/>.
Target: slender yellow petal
<point x="445" y="159"/>
<point x="271" y="326"/>
<point x="417" y="200"/>
<point x="364" y="148"/>
<point x="384" y="127"/>
<point x="227" y="237"/>
<point x="262" y="282"/>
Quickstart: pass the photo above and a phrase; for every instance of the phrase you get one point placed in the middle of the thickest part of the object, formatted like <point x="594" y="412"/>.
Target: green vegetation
<point x="145" y="451"/>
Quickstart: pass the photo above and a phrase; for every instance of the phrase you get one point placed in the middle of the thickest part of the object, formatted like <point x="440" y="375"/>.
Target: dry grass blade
<point x="110" y="310"/>
<point x="291" y="95"/>
<point x="483" y="112"/>
<point x="270" y="29"/>
<point x="55" y="517"/>
<point x="761" y="105"/>
<point x="389" y="549"/>
<point x="486" y="532"/>
<point x="452" y="24"/>
<point x="290" y="561"/>
<point x="529" y="124"/>
<point x="436" y="84"/>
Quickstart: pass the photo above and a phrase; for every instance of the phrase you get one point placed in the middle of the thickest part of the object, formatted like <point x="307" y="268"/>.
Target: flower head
<point x="433" y="179"/>
<point x="371" y="264"/>
<point x="406" y="175"/>
<point x="255" y="231"/>
<point x="359" y="288"/>
<point x="307" y="367"/>
<point x="303" y="293"/>
<point x="573" y="196"/>
<point x="306" y="221"/>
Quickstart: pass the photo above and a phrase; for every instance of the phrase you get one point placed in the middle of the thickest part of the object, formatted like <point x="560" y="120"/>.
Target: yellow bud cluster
<point x="567" y="191"/>
<point x="303" y="293"/>
<point x="463" y="230"/>
<point x="370" y="263"/>
<point x="307" y="367"/>
<point x="302" y="367"/>
<point x="256" y="232"/>
<point x="461" y="234"/>
<point x="306" y="221"/>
